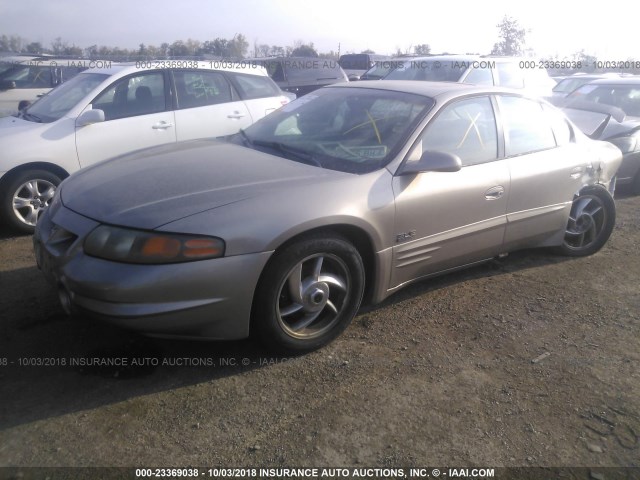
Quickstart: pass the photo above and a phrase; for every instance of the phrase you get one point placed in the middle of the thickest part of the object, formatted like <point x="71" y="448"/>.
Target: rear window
<point x="316" y="69"/>
<point x="254" y="86"/>
<point x="624" y="97"/>
<point x="355" y="62"/>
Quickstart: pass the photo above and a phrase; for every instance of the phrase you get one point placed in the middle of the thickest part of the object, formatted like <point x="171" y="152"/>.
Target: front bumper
<point x="204" y="299"/>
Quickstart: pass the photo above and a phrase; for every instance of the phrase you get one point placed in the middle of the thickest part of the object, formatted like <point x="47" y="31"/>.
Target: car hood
<point x="153" y="187"/>
<point x="11" y="126"/>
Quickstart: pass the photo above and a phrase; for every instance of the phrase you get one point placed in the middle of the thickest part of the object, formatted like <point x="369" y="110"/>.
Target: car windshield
<point x="568" y="85"/>
<point x="624" y="97"/>
<point x="5" y="66"/>
<point x="429" y="70"/>
<point x="354" y="130"/>
<point x="61" y="99"/>
<point x="380" y="69"/>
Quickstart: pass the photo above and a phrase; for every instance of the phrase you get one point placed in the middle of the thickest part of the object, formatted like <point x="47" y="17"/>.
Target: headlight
<point x="627" y="144"/>
<point x="137" y="246"/>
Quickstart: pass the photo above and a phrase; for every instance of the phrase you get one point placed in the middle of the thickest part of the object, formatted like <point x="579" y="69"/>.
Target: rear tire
<point x="24" y="196"/>
<point x="308" y="294"/>
<point x="591" y="221"/>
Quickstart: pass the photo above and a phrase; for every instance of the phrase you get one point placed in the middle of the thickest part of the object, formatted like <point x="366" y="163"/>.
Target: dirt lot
<point x="441" y="374"/>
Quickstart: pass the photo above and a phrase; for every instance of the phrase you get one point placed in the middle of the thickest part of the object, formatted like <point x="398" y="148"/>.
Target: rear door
<point x="207" y="105"/>
<point x="260" y="94"/>
<point x="546" y="166"/>
<point x="137" y="115"/>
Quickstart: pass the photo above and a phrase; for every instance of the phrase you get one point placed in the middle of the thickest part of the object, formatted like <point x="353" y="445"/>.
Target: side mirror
<point x="432" y="161"/>
<point x="7" y="85"/>
<point x="90" y="116"/>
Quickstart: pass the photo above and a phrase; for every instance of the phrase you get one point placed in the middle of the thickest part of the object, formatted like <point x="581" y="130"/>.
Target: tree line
<point x="511" y="42"/>
<point x="236" y="47"/>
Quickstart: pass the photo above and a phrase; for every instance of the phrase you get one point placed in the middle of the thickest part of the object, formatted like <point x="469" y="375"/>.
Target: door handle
<point x="494" y="193"/>
<point x="162" y="125"/>
<point x="236" y="114"/>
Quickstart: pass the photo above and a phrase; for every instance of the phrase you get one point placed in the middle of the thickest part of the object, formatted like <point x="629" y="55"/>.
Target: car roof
<point x="19" y="58"/>
<point x="631" y="80"/>
<point x="452" y="57"/>
<point x="445" y="90"/>
<point x="124" y="68"/>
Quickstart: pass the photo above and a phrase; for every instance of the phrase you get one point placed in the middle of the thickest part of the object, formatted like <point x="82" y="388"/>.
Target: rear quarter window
<point x="254" y="86"/>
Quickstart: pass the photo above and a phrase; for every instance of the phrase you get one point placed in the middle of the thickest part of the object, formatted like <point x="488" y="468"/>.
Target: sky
<point x="455" y="26"/>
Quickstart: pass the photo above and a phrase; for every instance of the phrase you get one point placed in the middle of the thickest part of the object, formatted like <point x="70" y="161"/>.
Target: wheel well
<point x="49" y="167"/>
<point x="592" y="188"/>
<point x="358" y="238"/>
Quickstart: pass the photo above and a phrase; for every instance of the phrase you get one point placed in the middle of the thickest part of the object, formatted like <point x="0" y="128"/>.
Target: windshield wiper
<point x="30" y="116"/>
<point x="246" y="137"/>
<point x="289" y="152"/>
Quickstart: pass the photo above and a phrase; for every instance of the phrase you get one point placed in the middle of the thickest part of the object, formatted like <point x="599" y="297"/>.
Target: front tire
<point x="24" y="196"/>
<point x="591" y="221"/>
<point x="308" y="294"/>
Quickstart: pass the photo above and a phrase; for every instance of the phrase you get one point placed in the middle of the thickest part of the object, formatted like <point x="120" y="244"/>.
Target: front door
<point x="137" y="115"/>
<point x="447" y="219"/>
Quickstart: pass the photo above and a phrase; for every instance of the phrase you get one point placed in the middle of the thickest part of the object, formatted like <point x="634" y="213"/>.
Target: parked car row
<point x="345" y="195"/>
<point x="302" y="75"/>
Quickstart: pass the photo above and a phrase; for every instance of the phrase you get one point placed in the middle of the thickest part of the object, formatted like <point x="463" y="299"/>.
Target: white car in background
<point x="25" y="79"/>
<point x="106" y="112"/>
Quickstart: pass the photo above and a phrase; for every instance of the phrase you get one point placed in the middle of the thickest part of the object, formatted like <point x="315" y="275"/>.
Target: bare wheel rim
<point x="312" y="296"/>
<point x="587" y="220"/>
<point x="31" y="199"/>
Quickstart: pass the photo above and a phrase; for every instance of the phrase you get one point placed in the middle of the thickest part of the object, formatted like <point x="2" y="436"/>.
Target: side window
<point x="509" y="75"/>
<point x="276" y="71"/>
<point x="527" y="128"/>
<point x="466" y="128"/>
<point x="199" y="88"/>
<point x="132" y="96"/>
<point x="255" y="86"/>
<point x="480" y="76"/>
<point x="32" y="76"/>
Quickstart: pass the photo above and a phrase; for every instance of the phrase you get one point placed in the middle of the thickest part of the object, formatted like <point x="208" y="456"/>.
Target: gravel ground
<point x="531" y="360"/>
